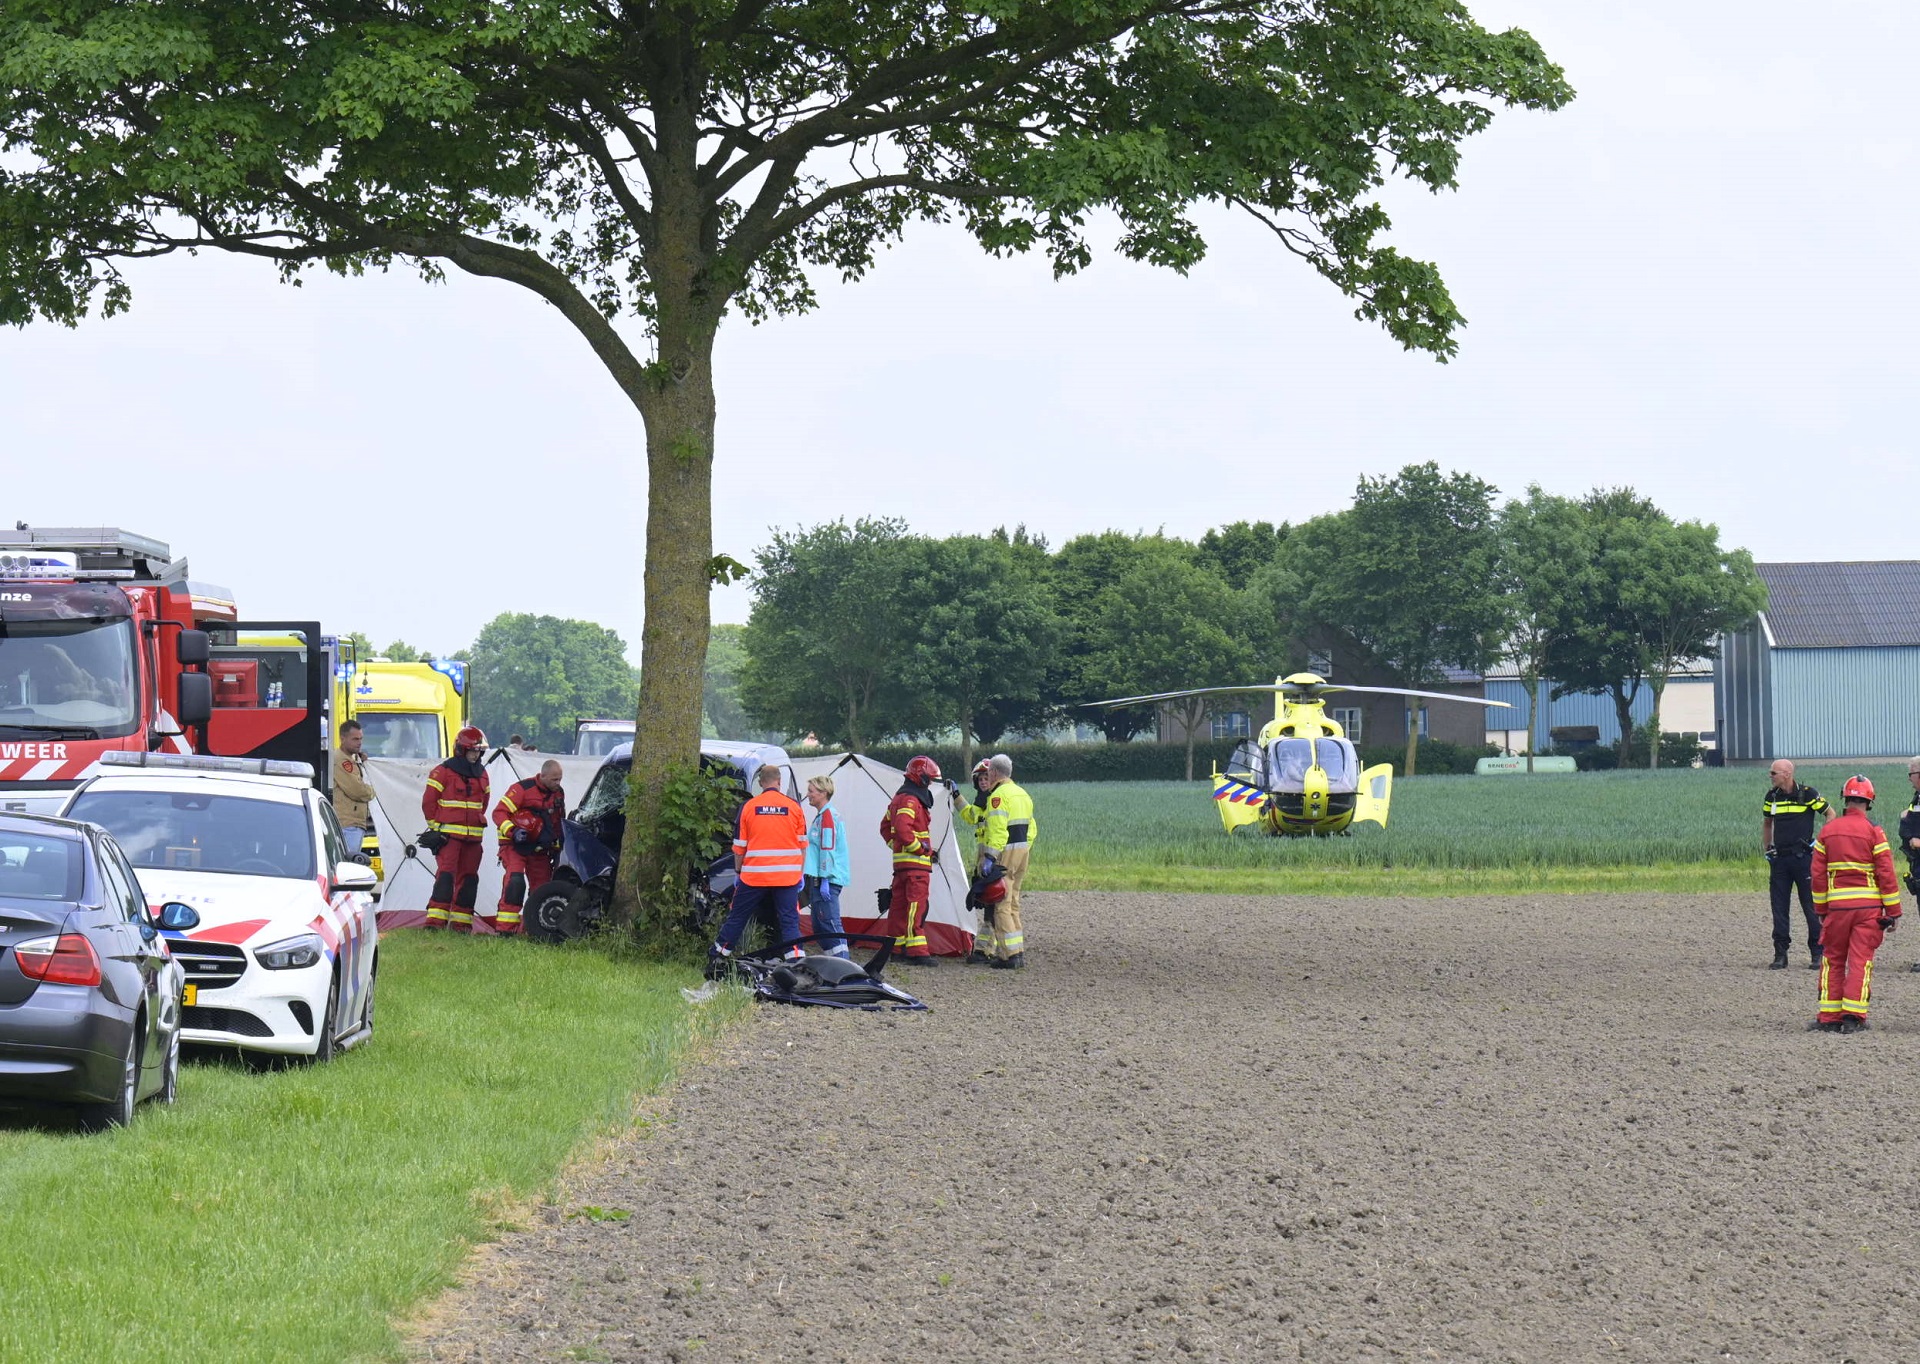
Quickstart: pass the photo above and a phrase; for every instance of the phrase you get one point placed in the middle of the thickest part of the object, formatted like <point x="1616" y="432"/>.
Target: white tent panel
<point x="862" y="789"/>
<point x="399" y="782"/>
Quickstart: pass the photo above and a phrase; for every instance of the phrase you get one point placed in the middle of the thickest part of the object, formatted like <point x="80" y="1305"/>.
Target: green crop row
<point x="1506" y="829"/>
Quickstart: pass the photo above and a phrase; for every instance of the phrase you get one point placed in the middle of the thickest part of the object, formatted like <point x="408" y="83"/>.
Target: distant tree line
<point x="535" y="675"/>
<point x="862" y="632"/>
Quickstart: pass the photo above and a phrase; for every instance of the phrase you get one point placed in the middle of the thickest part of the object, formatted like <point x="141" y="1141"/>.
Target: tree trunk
<point x="1659" y="685"/>
<point x="677" y="403"/>
<point x="1413" y="735"/>
<point x="1193" y="723"/>
<point x="1623" y="712"/>
<point x="1530" y="685"/>
<point x="966" y="739"/>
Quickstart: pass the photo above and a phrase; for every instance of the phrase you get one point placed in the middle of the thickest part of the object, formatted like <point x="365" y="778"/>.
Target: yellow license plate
<point x="190" y="995"/>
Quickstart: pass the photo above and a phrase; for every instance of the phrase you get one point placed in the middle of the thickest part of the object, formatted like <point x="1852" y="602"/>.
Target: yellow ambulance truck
<point x="409" y="710"/>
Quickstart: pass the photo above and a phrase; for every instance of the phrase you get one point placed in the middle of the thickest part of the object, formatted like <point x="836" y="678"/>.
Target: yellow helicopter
<point x="1302" y="775"/>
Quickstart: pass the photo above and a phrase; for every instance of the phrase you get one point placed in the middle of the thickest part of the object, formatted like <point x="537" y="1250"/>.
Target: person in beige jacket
<point x="352" y="793"/>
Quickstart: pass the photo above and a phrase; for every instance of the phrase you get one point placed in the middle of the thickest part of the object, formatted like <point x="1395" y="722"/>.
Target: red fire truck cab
<point x="106" y="644"/>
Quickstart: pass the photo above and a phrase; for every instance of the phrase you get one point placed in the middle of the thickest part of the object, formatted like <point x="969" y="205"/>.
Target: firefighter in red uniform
<point x="528" y="822"/>
<point x="455" y="804"/>
<point x="1858" y="899"/>
<point x="908" y="829"/>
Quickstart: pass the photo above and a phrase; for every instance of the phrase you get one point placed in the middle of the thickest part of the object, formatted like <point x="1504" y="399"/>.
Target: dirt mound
<point x="1565" y="1128"/>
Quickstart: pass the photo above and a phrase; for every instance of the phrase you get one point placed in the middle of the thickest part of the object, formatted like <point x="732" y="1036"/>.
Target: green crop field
<point x="294" y="1215"/>
<point x="1681" y="830"/>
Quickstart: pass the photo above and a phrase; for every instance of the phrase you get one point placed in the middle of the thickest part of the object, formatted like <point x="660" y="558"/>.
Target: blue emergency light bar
<point x="202" y="762"/>
<point x="455" y="672"/>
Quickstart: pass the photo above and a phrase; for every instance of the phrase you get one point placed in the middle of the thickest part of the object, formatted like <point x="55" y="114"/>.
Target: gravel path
<point x="1201" y="1127"/>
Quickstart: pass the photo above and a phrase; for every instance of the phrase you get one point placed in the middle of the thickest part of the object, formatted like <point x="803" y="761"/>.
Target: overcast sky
<point x="1695" y="280"/>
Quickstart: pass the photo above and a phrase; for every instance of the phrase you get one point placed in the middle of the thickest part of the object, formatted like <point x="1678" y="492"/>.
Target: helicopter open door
<point x="1376" y="792"/>
<point x="1240" y="792"/>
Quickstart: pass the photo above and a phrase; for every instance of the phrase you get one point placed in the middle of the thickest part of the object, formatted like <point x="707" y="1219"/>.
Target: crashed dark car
<point x="574" y="902"/>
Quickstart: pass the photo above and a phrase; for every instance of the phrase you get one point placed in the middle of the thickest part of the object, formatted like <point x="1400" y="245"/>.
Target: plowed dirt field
<point x="1564" y="1128"/>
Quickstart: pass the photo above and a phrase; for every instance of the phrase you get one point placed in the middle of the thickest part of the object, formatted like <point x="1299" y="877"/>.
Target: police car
<point x="284" y="957"/>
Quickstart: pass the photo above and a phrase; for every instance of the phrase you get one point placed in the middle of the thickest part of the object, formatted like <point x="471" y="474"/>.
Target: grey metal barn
<point x="1831" y="669"/>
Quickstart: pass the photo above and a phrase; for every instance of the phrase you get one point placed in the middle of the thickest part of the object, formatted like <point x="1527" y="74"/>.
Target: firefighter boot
<point x="1017" y="962"/>
<point x="1779" y="959"/>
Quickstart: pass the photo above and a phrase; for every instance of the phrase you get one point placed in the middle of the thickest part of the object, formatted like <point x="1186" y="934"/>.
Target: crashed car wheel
<point x="560" y="910"/>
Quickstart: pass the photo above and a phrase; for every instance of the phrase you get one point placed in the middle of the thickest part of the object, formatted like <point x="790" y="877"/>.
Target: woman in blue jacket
<point x="826" y="865"/>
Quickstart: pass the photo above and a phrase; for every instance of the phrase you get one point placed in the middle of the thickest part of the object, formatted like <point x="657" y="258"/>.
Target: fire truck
<point x="107" y="643"/>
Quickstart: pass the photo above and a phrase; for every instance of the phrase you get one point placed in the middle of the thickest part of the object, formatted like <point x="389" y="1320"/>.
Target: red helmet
<point x="923" y="770"/>
<point x="994" y="891"/>
<point x="470" y="737"/>
<point x="1857" y="788"/>
<point x="528" y="820"/>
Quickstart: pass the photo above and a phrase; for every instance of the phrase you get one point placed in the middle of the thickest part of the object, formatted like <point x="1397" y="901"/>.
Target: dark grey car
<point x="89" y="994"/>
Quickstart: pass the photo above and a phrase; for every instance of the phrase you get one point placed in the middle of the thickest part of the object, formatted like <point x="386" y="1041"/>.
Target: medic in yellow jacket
<point x="1001" y="817"/>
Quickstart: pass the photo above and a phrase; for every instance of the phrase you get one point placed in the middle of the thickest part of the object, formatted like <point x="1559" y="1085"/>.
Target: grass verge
<point x="295" y="1215"/>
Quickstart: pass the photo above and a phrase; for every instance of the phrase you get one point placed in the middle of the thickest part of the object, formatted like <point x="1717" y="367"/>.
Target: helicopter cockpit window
<point x="1289" y="759"/>
<point x="1249" y="762"/>
<point x="1341" y="763"/>
<point x="1287" y="763"/>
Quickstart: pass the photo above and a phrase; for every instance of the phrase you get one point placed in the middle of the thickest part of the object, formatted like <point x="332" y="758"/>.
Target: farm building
<point x="1831" y="669"/>
<point x="1586" y="721"/>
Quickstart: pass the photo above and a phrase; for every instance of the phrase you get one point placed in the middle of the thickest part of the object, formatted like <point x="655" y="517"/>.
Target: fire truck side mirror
<point x="193" y="648"/>
<point x="196" y="699"/>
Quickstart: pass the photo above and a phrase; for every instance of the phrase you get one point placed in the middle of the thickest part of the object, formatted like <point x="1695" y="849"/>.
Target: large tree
<point x="536" y="675"/>
<point x="1166" y="624"/>
<point x="978" y="630"/>
<point x="1082" y="575"/>
<point x="1545" y="566"/>
<point x="828" y="636"/>
<point x="1409" y="572"/>
<point x="1598" y="649"/>
<point x="1678" y="591"/>
<point x="671" y="161"/>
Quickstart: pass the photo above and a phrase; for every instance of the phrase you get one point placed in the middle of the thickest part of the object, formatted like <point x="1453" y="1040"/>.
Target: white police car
<point x="284" y="957"/>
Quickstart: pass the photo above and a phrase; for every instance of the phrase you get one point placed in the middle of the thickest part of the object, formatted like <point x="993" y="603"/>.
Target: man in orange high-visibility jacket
<point x="907" y="827"/>
<point x="1858" y="899"/>
<point x="527" y="820"/>
<point x="771" y="852"/>
<point x="455" y="804"/>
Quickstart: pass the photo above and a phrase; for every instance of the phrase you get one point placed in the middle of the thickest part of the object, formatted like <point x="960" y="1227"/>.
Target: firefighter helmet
<point x="923" y="770"/>
<point x="470" y="737"/>
<point x="1857" y="788"/>
<point x="993" y="892"/>
<point x="528" y="820"/>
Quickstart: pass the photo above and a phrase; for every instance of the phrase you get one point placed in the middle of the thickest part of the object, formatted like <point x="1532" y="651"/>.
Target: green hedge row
<point x="1043" y="762"/>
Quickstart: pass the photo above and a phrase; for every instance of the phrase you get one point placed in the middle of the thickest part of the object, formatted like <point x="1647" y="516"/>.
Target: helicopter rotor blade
<point x="1191" y="691"/>
<point x="1431" y="695"/>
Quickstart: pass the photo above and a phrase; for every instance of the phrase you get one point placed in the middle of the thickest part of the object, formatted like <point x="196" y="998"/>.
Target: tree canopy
<point x="670" y="162"/>
<point x="827" y="637"/>
<point x="1409" y="572"/>
<point x="536" y="675"/>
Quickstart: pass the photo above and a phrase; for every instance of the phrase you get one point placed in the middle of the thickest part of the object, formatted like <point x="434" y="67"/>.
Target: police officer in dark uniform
<point x="1788" y="812"/>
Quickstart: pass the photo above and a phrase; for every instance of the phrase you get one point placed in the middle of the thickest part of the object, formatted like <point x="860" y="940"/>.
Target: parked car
<point x="575" y="900"/>
<point x="286" y="951"/>
<point x="89" y="993"/>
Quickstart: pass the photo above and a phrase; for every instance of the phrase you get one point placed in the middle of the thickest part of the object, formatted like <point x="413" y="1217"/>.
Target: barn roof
<point x="1843" y="605"/>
